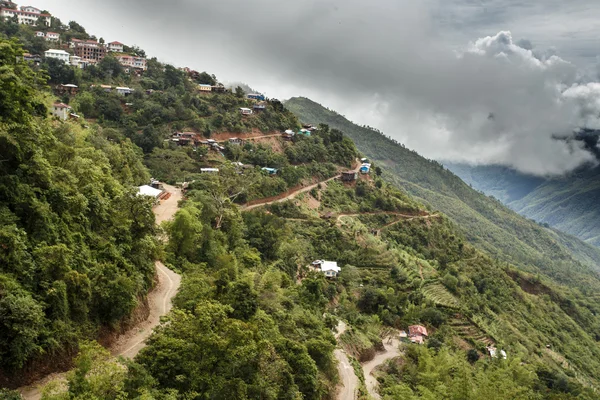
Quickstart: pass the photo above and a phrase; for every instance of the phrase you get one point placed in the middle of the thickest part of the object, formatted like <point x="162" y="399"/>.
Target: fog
<point x="492" y="82"/>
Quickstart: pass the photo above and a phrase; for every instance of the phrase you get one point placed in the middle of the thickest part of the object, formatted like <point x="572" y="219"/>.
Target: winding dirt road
<point x="391" y="351"/>
<point x="348" y="378"/>
<point x="159" y="300"/>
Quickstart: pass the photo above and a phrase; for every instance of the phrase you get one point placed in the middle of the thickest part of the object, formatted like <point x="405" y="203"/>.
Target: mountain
<point x="485" y="221"/>
<point x="567" y="203"/>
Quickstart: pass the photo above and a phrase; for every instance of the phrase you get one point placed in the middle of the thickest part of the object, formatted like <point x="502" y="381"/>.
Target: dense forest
<point x="251" y="319"/>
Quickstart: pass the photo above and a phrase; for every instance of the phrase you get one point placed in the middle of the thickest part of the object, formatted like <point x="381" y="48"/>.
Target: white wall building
<point x="52" y="37"/>
<point x="58" y="54"/>
<point x="115" y="47"/>
<point x="329" y="268"/>
<point x="133" y="62"/>
<point x="26" y="15"/>
<point x="61" y="111"/>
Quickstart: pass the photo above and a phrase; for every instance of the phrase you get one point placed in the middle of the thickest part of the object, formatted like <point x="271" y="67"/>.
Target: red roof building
<point x="417" y="330"/>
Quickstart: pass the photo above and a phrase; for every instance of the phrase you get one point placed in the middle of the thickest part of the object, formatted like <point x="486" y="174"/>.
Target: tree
<point x="239" y="92"/>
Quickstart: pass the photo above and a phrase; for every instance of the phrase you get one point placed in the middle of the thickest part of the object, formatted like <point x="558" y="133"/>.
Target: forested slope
<point x="77" y="245"/>
<point x="566" y="203"/>
<point x="485" y="221"/>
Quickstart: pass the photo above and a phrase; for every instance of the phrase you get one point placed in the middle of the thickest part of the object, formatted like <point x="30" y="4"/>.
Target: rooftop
<point x="61" y="105"/>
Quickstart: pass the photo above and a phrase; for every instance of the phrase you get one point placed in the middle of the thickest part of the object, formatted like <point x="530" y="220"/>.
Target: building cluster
<point x="25" y="15"/>
<point x="83" y="53"/>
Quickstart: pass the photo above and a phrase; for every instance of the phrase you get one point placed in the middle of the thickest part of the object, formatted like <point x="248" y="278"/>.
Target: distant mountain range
<point x="570" y="203"/>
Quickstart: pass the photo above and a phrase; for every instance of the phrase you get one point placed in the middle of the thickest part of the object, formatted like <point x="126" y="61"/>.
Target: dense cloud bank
<point x="394" y="64"/>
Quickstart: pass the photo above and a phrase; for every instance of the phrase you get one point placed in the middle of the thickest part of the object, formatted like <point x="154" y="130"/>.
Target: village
<point x="82" y="54"/>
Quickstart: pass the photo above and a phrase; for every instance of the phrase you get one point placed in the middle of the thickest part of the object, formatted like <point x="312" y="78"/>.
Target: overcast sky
<point x="488" y="81"/>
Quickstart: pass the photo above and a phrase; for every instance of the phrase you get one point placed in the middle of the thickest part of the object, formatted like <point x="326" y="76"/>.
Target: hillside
<point x="565" y="203"/>
<point x="253" y="317"/>
<point x="485" y="221"/>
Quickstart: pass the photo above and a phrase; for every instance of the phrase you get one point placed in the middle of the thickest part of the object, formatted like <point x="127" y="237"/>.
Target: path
<point x="391" y="351"/>
<point x="295" y="193"/>
<point x="253" y="137"/>
<point x="289" y="196"/>
<point x="348" y="378"/>
<point x="159" y="300"/>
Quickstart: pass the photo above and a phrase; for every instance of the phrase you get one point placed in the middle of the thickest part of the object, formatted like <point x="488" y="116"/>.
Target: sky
<point x="477" y="81"/>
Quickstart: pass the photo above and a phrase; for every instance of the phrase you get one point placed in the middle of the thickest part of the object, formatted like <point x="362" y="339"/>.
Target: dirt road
<point x="290" y="196"/>
<point x="391" y="351"/>
<point x="159" y="299"/>
<point x="348" y="378"/>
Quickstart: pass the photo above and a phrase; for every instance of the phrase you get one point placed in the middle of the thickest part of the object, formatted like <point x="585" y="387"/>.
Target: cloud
<point x="444" y="77"/>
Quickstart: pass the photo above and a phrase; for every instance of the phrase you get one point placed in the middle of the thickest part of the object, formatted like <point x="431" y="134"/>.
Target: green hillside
<point x="566" y="203"/>
<point x="485" y="221"/>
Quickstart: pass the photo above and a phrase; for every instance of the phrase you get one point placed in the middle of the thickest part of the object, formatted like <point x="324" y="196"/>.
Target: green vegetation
<point x="77" y="246"/>
<point x="251" y="320"/>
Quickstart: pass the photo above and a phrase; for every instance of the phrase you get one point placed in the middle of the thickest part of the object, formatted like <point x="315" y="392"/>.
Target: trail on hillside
<point x="348" y="379"/>
<point x="294" y="193"/>
<point x="160" y="299"/>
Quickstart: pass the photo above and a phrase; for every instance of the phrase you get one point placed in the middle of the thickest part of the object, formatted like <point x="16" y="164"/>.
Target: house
<point x="365" y="168"/>
<point x="288" y="135"/>
<point x="26" y="15"/>
<point x="364" y="160"/>
<point x="205" y="88"/>
<point x="329" y="268"/>
<point x="124" y="91"/>
<point x="58" y="54"/>
<point x="52" y="37"/>
<point x="68" y="89"/>
<point x="236" y="141"/>
<point x="76" y="61"/>
<point x="115" y="47"/>
<point x="270" y="171"/>
<point x="219" y="88"/>
<point x="310" y="127"/>
<point x="209" y="170"/>
<point x="246" y="111"/>
<point x="417" y="334"/>
<point x="149" y="191"/>
<point x="304" y="132"/>
<point x="36" y="59"/>
<point x="139" y="63"/>
<point x="88" y="50"/>
<point x="40" y="34"/>
<point x="106" y="88"/>
<point x="349" y="176"/>
<point x="61" y="111"/>
<point x="259" y="107"/>
<point x="256" y="96"/>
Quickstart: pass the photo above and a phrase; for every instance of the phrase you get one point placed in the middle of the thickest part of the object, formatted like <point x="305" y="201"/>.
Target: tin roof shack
<point x="288" y="135"/>
<point x="365" y="168"/>
<point x="304" y="132"/>
<point x="349" y="176"/>
<point x="70" y="89"/>
<point x="209" y="170"/>
<point x="236" y="141"/>
<point x="246" y="111"/>
<point x="258" y="108"/>
<point x="256" y="96"/>
<point x="270" y="171"/>
<point x="205" y="88"/>
<point x="149" y="191"/>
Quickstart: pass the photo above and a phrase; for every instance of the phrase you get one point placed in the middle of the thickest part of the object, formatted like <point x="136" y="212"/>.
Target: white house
<point x="52" y="37"/>
<point x="76" y="61"/>
<point x="205" y="88"/>
<point x="40" y="34"/>
<point x="124" y="91"/>
<point x="115" y="47"/>
<point x="134" y="62"/>
<point x="58" y="54"/>
<point x="329" y="268"/>
<point x="26" y="15"/>
<point x="209" y="170"/>
<point x="149" y="191"/>
<point x="246" y="111"/>
<point x="61" y="111"/>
